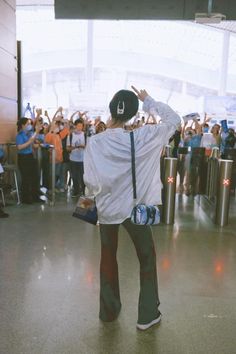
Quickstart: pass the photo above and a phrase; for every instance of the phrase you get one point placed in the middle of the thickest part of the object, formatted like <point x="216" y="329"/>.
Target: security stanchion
<point x="215" y="153"/>
<point x="165" y="153"/>
<point x="53" y="174"/>
<point x="223" y="194"/>
<point x="39" y="162"/>
<point x="169" y="190"/>
<point x="212" y="176"/>
<point x="168" y="151"/>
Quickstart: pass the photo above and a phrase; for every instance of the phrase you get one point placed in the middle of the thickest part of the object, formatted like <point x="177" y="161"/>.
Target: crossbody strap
<point x="133" y="164"/>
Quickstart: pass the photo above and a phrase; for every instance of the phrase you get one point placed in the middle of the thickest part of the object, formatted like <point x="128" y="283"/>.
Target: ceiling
<point x="34" y="2"/>
<point x="67" y="8"/>
<point x="225" y="25"/>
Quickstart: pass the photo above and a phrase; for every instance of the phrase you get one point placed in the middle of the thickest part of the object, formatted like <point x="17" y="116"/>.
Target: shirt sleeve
<point x="170" y="121"/>
<point x="20" y="139"/>
<point x="165" y="112"/>
<point x="64" y="132"/>
<point x="91" y="179"/>
<point x="48" y="138"/>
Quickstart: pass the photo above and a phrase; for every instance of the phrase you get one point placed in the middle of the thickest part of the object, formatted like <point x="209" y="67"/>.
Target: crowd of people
<point x="194" y="135"/>
<point x="106" y="173"/>
<point x="69" y="136"/>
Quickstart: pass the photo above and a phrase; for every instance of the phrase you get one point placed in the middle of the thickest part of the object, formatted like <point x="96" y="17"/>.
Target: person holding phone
<point x="25" y="141"/>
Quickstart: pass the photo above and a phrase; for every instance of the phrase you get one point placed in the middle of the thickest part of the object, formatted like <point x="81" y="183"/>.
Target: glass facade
<point x="80" y="64"/>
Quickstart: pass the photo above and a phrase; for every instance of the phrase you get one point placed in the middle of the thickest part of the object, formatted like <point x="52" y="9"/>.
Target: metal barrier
<point x="223" y="193"/>
<point x="212" y="178"/>
<point x="169" y="190"/>
<point x="167" y="151"/>
<point x="10" y="153"/>
<point x="10" y="167"/>
<point x="11" y="172"/>
<point x="230" y="154"/>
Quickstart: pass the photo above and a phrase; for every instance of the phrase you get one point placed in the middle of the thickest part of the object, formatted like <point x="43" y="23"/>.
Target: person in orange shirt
<point x="54" y="137"/>
<point x="65" y="131"/>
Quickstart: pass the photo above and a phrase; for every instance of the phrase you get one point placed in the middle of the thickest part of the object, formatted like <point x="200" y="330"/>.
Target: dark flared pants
<point x="77" y="172"/>
<point x="110" y="303"/>
<point x="29" y="177"/>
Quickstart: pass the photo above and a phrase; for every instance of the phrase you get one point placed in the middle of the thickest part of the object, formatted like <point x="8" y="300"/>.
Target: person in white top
<point x="108" y="176"/>
<point x="75" y="145"/>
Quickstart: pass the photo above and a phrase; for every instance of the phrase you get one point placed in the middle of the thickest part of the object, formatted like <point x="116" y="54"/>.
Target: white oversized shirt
<point x="107" y="165"/>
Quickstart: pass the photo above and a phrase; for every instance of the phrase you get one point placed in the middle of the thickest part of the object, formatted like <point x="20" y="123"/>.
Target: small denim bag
<point x="141" y="214"/>
<point x="86" y="210"/>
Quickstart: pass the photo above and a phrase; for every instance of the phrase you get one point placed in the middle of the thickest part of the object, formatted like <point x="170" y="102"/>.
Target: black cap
<point x="124" y="105"/>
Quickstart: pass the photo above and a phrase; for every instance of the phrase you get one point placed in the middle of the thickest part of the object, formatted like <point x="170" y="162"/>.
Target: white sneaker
<point x="143" y="327"/>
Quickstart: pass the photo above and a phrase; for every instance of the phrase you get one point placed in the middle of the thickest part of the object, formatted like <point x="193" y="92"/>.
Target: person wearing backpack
<point x="75" y="146"/>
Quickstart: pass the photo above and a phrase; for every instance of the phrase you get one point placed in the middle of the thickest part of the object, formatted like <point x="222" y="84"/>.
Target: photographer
<point x="25" y="142"/>
<point x="75" y="146"/>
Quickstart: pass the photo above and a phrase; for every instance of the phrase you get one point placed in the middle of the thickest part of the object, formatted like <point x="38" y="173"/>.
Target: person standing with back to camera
<point x="108" y="176"/>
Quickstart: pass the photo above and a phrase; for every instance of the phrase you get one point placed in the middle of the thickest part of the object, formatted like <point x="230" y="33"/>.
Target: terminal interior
<point x="49" y="260"/>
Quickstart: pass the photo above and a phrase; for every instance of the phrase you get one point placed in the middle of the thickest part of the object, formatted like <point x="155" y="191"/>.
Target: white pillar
<point x="89" y="68"/>
<point x="44" y="88"/>
<point x="224" y="64"/>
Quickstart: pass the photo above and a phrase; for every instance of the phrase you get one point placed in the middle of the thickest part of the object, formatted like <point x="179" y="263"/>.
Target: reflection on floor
<point x="49" y="285"/>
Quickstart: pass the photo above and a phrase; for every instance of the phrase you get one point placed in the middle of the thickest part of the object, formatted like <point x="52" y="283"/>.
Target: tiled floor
<point x="49" y="285"/>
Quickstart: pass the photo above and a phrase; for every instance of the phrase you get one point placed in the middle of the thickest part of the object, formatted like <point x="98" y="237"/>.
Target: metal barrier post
<point x="212" y="178"/>
<point x="169" y="190"/>
<point x="212" y="174"/>
<point x="53" y="174"/>
<point x="215" y="152"/>
<point x="168" y="151"/>
<point x="39" y="161"/>
<point x="223" y="194"/>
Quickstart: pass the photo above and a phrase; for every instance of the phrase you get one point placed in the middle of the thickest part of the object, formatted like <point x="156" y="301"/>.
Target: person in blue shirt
<point x="27" y="163"/>
<point x="192" y="139"/>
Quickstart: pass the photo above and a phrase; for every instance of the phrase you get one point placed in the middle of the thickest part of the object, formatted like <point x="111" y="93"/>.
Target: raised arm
<point x="198" y="126"/>
<point x="60" y="109"/>
<point x="72" y="116"/>
<point x="165" y="112"/>
<point x="46" y="115"/>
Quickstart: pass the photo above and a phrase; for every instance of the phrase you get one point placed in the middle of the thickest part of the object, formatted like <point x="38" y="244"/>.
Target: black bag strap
<point x="133" y="164"/>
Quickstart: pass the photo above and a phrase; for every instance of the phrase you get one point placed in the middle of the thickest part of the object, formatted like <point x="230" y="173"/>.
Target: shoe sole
<point x="143" y="327"/>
